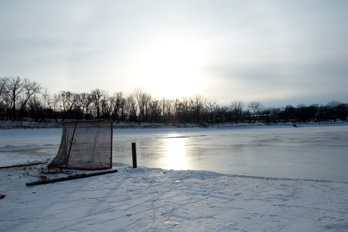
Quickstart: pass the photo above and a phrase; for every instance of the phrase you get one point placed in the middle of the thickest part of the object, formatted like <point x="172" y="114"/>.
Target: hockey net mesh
<point x="85" y="145"/>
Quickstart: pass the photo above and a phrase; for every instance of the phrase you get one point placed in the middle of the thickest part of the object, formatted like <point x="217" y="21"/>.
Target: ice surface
<point x="307" y="152"/>
<point x="153" y="199"/>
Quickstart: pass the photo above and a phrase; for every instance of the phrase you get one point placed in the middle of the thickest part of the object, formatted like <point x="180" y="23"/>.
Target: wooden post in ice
<point x="134" y="155"/>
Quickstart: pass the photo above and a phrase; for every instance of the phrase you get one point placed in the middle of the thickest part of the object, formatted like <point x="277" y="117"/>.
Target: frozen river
<point x="308" y="152"/>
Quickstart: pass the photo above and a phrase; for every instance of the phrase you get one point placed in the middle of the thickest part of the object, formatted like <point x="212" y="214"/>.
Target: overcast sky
<point x="276" y="52"/>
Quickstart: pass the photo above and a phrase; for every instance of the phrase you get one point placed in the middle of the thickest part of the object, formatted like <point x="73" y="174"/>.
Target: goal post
<point x="85" y="145"/>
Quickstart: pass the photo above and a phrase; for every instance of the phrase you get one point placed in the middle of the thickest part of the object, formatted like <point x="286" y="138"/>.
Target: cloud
<point x="248" y="50"/>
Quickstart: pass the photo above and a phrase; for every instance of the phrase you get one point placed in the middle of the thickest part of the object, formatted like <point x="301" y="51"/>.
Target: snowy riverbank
<point x="145" y="199"/>
<point x="30" y="124"/>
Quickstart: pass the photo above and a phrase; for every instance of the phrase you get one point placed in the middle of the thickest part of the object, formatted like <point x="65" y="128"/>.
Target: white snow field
<point x="153" y="199"/>
<point x="146" y="199"/>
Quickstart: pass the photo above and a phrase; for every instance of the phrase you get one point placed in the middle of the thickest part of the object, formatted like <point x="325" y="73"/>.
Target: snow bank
<point x="145" y="199"/>
<point x="28" y="124"/>
<point x="134" y="125"/>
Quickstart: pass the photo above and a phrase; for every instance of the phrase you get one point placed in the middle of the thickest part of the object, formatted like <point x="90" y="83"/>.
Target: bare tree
<point x="36" y="109"/>
<point x="67" y="101"/>
<point x="19" y="92"/>
<point x="211" y="107"/>
<point x="48" y="104"/>
<point x="155" y="111"/>
<point x="14" y="87"/>
<point x="47" y="101"/>
<point x="183" y="110"/>
<point x="143" y="100"/>
<point x="117" y="106"/>
<point x="96" y="97"/>
<point x="236" y="108"/>
<point x="56" y="105"/>
<point x="84" y="102"/>
<point x="3" y="96"/>
<point x="30" y="89"/>
<point x="131" y="108"/>
<point x="198" y="107"/>
<point x="333" y="104"/>
<point x="106" y="106"/>
<point x="168" y="109"/>
<point x="3" y="84"/>
<point x="255" y="106"/>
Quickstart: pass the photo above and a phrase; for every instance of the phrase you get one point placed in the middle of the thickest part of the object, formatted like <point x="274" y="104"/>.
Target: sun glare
<point x="170" y="67"/>
<point x="175" y="154"/>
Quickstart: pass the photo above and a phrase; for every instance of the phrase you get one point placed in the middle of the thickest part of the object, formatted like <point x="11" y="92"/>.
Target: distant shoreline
<point x="44" y="125"/>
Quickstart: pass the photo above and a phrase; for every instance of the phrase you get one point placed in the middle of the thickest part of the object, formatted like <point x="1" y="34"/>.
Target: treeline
<point x="23" y="99"/>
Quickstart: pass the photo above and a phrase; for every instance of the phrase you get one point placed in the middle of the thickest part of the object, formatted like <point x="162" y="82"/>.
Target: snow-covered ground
<point x="146" y="199"/>
<point x="153" y="199"/>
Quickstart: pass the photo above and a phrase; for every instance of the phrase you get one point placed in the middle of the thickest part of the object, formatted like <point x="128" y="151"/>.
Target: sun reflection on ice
<point x="175" y="153"/>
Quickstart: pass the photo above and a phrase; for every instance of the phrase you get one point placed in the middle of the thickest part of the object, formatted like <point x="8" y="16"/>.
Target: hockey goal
<point x="85" y="145"/>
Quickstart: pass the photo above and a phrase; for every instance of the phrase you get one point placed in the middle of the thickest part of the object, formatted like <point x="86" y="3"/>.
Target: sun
<point x="170" y="67"/>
